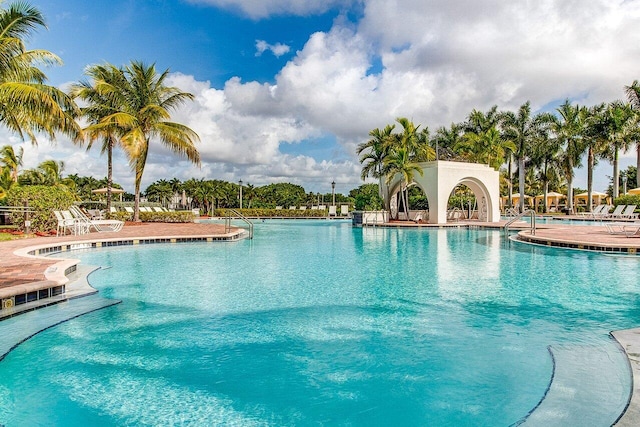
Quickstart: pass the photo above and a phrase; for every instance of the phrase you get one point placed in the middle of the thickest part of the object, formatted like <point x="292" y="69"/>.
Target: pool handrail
<point x="227" y="221"/>
<point x="530" y="212"/>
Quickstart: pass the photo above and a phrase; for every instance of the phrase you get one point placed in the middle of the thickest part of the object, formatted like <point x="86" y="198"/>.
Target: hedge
<point x="43" y="200"/>
<point x="173" y="217"/>
<point x="275" y="213"/>
<point x="629" y="199"/>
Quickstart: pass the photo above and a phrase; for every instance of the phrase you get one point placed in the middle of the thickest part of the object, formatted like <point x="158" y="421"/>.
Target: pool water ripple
<point x="320" y="323"/>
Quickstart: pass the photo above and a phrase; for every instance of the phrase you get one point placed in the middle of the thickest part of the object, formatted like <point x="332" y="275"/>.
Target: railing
<point x="227" y="221"/>
<point x="530" y="212"/>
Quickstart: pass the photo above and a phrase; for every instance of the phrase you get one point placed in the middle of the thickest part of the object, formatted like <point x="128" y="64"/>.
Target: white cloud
<point x="277" y="49"/>
<point x="431" y="61"/>
<point x="266" y="8"/>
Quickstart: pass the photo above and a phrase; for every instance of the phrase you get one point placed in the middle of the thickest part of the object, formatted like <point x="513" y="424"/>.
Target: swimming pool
<point x="316" y="322"/>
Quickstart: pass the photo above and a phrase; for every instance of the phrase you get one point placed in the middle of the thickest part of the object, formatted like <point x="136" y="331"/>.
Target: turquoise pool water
<point x="319" y="323"/>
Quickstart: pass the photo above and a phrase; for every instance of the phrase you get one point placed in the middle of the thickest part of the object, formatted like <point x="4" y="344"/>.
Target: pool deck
<point x="22" y="261"/>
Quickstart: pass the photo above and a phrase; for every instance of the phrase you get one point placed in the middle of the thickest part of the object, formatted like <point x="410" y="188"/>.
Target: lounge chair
<point x="157" y="209"/>
<point x="113" y="210"/>
<point x="344" y="210"/>
<point x="128" y="209"/>
<point x="322" y="207"/>
<point x="292" y="208"/>
<point x="100" y="225"/>
<point x="616" y="212"/>
<point x="303" y="208"/>
<point x="314" y="208"/>
<point x="616" y="228"/>
<point x="64" y="224"/>
<point x="628" y="212"/>
<point x="79" y="227"/>
<point x="597" y="212"/>
<point x="278" y="208"/>
<point x="332" y="211"/>
<point x="632" y="230"/>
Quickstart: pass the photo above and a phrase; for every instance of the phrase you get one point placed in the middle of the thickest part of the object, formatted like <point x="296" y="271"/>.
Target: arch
<point x="441" y="177"/>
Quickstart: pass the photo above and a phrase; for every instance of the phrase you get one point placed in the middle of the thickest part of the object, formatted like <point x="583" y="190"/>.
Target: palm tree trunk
<point x="616" y="175"/>
<point x="637" y="164"/>
<point x="590" y="162"/>
<point x="109" y="174"/>
<point x="521" y="182"/>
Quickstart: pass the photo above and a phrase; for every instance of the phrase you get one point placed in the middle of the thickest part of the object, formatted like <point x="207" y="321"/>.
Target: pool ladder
<point x="530" y="212"/>
<point x="236" y="214"/>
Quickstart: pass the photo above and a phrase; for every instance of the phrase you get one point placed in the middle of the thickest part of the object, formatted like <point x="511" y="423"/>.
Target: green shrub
<point x="42" y="200"/>
<point x="174" y="217"/>
<point x="275" y="213"/>
<point x="629" y="199"/>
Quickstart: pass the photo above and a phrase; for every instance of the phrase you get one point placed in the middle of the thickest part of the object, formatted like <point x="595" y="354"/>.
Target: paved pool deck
<point x="22" y="261"/>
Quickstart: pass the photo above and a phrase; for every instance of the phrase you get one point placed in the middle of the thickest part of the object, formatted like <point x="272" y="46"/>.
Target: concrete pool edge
<point x="629" y="340"/>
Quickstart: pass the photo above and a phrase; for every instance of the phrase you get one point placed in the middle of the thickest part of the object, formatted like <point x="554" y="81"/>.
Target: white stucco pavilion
<point x="441" y="177"/>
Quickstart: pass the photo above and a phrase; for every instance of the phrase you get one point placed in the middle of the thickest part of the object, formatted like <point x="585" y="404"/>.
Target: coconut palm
<point x="96" y="94"/>
<point x="373" y="152"/>
<point x="568" y="128"/>
<point x="11" y="160"/>
<point x="144" y="104"/>
<point x="400" y="162"/>
<point x="620" y="130"/>
<point x="546" y="155"/>
<point x="596" y="143"/>
<point x="633" y="96"/>
<point x="27" y="105"/>
<point x="522" y="129"/>
<point x="486" y="146"/>
<point x="445" y="139"/>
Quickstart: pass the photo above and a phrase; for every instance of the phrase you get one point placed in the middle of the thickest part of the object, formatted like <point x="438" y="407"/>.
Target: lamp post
<point x="333" y="193"/>
<point x="240" y="182"/>
<point x="624" y="185"/>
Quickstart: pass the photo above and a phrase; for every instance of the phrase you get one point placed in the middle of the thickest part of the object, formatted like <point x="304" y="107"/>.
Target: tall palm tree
<point x="620" y="131"/>
<point x="596" y="142"/>
<point x="633" y="96"/>
<point x="27" y="105"/>
<point x="400" y="162"/>
<point x="445" y="139"/>
<point x="546" y="155"/>
<point x="485" y="146"/>
<point x="522" y="129"/>
<point x="568" y="128"/>
<point x="145" y="103"/>
<point x="11" y="160"/>
<point x="100" y="105"/>
<point x="372" y="154"/>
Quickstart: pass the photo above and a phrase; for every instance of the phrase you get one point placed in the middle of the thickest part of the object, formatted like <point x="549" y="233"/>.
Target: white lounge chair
<point x="64" y="224"/>
<point x="616" y="228"/>
<point x="596" y="212"/>
<point x="322" y="207"/>
<point x="292" y="208"/>
<point x="303" y="208"/>
<point x="628" y="212"/>
<point x="157" y="209"/>
<point x="79" y="227"/>
<point x="278" y="208"/>
<point x="128" y="209"/>
<point x="616" y="212"/>
<point x="344" y="210"/>
<point x="332" y="211"/>
<point x="100" y="225"/>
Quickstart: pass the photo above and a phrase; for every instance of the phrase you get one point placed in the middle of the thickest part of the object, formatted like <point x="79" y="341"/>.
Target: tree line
<point x="542" y="150"/>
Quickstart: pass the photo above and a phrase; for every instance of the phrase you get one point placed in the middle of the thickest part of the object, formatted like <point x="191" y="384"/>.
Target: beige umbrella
<point x="553" y="198"/>
<point x="634" y="191"/>
<point x="596" y="195"/>
<point x="113" y="191"/>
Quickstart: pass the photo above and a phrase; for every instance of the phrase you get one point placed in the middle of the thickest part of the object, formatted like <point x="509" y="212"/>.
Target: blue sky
<point x="286" y="89"/>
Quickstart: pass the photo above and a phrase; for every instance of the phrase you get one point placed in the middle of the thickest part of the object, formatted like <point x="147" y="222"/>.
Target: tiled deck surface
<point x="15" y="270"/>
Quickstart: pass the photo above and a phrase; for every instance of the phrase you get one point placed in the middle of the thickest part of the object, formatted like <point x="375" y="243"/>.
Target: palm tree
<point x="373" y="153"/>
<point x="11" y="160"/>
<point x="633" y="96"/>
<point x="546" y="155"/>
<point x="620" y="130"/>
<point x="596" y="142"/>
<point x="100" y="105"/>
<point x="27" y="104"/>
<point x="400" y="162"/>
<point x="486" y="147"/>
<point x="568" y="129"/>
<point x="144" y="104"/>
<point x="522" y="129"/>
<point x="445" y="139"/>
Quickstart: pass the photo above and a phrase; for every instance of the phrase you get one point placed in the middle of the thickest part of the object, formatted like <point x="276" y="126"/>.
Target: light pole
<point x="624" y="185"/>
<point x="240" y="182"/>
<point x="333" y="193"/>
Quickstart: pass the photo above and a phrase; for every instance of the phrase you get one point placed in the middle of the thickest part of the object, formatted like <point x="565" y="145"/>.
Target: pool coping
<point x="56" y="274"/>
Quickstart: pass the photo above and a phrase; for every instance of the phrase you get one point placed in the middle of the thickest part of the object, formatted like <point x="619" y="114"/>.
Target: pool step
<point x="590" y="387"/>
<point x="18" y="329"/>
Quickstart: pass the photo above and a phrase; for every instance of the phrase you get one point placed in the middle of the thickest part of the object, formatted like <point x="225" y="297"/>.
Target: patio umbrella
<point x="553" y="198"/>
<point x="113" y="191"/>
<point x="596" y="195"/>
<point x="634" y="191"/>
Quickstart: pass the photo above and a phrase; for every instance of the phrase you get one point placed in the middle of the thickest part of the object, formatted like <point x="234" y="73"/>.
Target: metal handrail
<point x="227" y="222"/>
<point x="530" y="212"/>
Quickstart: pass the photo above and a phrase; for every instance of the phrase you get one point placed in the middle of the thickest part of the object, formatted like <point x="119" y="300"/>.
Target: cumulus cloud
<point x="431" y="61"/>
<point x="266" y="8"/>
<point x="277" y="49"/>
